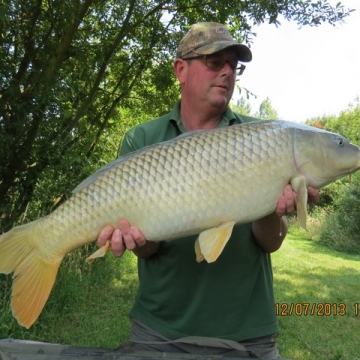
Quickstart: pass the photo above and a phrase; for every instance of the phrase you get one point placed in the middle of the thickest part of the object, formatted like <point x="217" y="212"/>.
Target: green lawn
<point x="89" y="304"/>
<point x="329" y="282"/>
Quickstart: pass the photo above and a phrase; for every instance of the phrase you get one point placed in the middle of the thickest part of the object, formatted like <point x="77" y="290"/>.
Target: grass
<point x="308" y="273"/>
<point x="89" y="305"/>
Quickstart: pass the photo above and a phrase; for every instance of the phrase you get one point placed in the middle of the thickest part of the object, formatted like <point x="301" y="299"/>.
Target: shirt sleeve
<point x="129" y="144"/>
<point x="126" y="146"/>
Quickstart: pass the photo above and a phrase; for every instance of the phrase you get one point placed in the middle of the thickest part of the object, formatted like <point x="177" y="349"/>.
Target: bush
<point x="341" y="228"/>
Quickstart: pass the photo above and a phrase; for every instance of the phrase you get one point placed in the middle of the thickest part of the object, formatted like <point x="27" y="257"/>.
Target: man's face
<point x="209" y="84"/>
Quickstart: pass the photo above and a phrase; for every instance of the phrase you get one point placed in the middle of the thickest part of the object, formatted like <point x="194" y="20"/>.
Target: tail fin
<point x="33" y="277"/>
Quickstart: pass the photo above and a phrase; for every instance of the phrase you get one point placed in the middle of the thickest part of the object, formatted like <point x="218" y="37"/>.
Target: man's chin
<point x="221" y="102"/>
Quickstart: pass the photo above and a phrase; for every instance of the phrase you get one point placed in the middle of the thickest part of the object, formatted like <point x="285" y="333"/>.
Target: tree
<point x="71" y="70"/>
<point x="266" y="111"/>
<point x="346" y="124"/>
<point x="242" y="107"/>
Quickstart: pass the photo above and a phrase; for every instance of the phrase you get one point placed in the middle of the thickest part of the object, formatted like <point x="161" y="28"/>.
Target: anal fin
<point x="199" y="254"/>
<point x="99" y="253"/>
<point x="210" y="243"/>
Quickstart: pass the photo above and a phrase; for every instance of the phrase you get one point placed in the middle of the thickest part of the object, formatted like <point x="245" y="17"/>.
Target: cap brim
<point x="243" y="52"/>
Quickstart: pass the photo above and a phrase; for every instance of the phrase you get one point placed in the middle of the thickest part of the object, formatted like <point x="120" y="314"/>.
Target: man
<point x="231" y="298"/>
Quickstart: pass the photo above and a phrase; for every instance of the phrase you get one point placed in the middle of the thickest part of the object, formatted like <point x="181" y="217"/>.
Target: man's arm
<point x="271" y="230"/>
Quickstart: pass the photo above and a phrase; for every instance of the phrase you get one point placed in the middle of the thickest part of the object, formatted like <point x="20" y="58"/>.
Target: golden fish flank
<point x="199" y="183"/>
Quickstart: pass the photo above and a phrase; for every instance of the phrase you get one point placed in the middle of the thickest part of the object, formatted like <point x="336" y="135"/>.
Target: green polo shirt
<point x="231" y="298"/>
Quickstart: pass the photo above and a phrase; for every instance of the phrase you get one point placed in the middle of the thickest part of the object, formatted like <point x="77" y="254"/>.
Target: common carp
<point x="202" y="182"/>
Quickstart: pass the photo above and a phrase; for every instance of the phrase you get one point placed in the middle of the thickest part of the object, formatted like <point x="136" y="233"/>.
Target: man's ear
<point x="180" y="69"/>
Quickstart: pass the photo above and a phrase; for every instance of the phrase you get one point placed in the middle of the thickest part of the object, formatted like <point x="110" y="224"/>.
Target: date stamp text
<point x="315" y="309"/>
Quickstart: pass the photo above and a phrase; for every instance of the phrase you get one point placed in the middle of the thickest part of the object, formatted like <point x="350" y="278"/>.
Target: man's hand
<point x="287" y="202"/>
<point x="126" y="237"/>
<point x="122" y="238"/>
<point x="271" y="230"/>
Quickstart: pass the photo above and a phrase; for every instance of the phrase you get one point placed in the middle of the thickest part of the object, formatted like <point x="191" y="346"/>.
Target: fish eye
<point x="340" y="141"/>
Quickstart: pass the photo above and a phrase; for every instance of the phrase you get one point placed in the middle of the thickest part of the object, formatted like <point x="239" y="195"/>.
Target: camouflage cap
<point x="208" y="38"/>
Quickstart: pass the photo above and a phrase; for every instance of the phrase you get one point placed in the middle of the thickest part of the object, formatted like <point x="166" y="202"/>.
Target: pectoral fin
<point x="99" y="253"/>
<point x="210" y="243"/>
<point x="298" y="183"/>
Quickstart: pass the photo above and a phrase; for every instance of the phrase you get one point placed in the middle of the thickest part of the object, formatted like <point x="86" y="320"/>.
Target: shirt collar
<point x="227" y="119"/>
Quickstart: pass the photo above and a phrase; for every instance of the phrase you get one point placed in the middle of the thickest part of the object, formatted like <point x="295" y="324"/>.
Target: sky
<point x="305" y="72"/>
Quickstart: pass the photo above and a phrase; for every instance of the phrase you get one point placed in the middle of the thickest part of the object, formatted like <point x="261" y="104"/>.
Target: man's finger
<point x="104" y="235"/>
<point x="137" y="236"/>
<point x="117" y="245"/>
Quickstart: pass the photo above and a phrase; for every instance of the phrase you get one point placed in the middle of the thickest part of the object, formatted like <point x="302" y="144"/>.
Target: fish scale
<point x="202" y="182"/>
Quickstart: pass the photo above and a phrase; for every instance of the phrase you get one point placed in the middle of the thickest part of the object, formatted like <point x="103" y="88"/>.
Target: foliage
<point x="74" y="75"/>
<point x="346" y="124"/>
<point x="266" y="111"/>
<point x="339" y="208"/>
<point x="341" y="228"/>
<point x="241" y="107"/>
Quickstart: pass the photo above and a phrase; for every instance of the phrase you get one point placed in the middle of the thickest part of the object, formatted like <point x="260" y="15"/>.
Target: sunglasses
<point x="217" y="63"/>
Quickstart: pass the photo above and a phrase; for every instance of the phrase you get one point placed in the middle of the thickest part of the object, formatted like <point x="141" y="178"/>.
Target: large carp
<point x="202" y="182"/>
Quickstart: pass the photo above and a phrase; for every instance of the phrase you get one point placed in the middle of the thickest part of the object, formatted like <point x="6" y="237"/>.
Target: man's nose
<point x="227" y="70"/>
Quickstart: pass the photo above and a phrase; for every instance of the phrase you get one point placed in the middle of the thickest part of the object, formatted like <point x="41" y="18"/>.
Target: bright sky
<point x="306" y="72"/>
